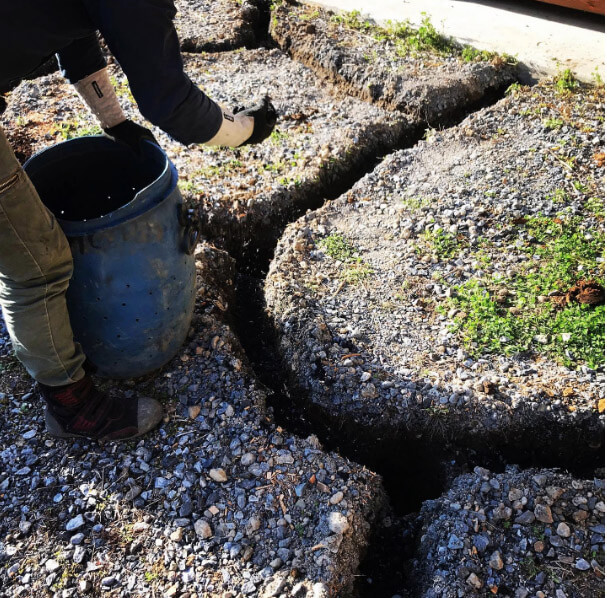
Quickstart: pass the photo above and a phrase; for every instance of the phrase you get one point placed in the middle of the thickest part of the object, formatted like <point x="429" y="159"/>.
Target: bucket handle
<point x="188" y="219"/>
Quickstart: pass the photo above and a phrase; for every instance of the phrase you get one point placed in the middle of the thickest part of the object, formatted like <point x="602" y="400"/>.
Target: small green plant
<point x="189" y="187"/>
<point x="513" y="89"/>
<point x="565" y="81"/>
<point x="338" y="247"/>
<point x="405" y="39"/>
<point x="276" y="137"/>
<point x="353" y="20"/>
<point x="596" y="206"/>
<point x="356" y="272"/>
<point x="558" y="196"/>
<point x="470" y="54"/>
<point x="597" y="78"/>
<point x="77" y="128"/>
<point x="553" y="123"/>
<point x="427" y="37"/>
<point x="416" y="203"/>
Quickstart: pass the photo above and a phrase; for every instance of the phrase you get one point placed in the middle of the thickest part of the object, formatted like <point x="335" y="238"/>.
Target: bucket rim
<point x="163" y="185"/>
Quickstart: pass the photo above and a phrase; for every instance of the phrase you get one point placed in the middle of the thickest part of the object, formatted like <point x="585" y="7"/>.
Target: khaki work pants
<point x="35" y="269"/>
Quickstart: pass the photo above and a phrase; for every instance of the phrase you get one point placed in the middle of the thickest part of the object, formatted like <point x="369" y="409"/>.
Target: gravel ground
<point x="369" y="294"/>
<point x="366" y="295"/>
<point x="524" y="534"/>
<point x="370" y="63"/>
<point x="211" y="26"/>
<point x="217" y="502"/>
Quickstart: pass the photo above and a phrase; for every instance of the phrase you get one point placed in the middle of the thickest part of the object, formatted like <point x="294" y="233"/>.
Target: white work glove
<point x="252" y="125"/>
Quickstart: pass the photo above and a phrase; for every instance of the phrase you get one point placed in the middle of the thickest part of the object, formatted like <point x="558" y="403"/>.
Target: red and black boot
<point x="81" y="410"/>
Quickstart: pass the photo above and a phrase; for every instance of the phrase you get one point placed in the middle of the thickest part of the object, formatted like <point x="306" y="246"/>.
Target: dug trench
<point x="414" y="467"/>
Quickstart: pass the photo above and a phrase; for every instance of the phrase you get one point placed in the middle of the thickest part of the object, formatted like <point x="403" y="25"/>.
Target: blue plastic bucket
<point x="132" y="294"/>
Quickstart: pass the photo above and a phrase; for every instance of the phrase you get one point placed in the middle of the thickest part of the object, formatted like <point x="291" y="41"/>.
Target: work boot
<point x="81" y="410"/>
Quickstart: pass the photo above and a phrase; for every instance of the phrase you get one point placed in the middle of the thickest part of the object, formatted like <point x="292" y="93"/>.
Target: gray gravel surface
<point x="211" y="25"/>
<point x="219" y="501"/>
<point x="371" y="333"/>
<point x="369" y="62"/>
<point x="523" y="534"/>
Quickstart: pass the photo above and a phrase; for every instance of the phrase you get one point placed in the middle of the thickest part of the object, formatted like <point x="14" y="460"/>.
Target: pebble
<point x="338" y="523"/>
<point x="495" y="561"/>
<point x="543" y="513"/>
<point x="218" y="475"/>
<point x="52" y="565"/>
<point x="582" y="565"/>
<point x="203" y="529"/>
<point x="563" y="530"/>
<point x="336" y="498"/>
<point x="75" y="523"/>
<point x="474" y="581"/>
<point x="177" y="535"/>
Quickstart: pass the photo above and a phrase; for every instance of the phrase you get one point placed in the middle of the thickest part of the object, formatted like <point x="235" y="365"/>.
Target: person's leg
<point x="35" y="269"/>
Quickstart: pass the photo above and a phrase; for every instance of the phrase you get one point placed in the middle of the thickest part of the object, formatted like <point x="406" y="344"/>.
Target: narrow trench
<point x="408" y="481"/>
<point x="413" y="469"/>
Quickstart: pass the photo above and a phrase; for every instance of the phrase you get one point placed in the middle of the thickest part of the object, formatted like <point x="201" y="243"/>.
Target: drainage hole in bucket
<point x="124" y="305"/>
<point x="128" y="286"/>
<point x="117" y="336"/>
<point x="105" y="317"/>
<point x="136" y="319"/>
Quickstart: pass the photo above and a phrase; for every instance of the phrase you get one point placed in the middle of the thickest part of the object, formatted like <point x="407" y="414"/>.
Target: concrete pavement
<point x="544" y="38"/>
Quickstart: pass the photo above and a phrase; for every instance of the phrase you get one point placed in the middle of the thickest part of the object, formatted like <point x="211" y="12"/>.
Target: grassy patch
<point x="442" y="243"/>
<point x="470" y="54"/>
<point x="515" y="316"/>
<point x="406" y="39"/>
<point x="76" y="128"/>
<point x="339" y="248"/>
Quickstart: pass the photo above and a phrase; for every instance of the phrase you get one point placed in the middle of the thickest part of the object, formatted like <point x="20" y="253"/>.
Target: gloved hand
<point x="264" y="116"/>
<point x="130" y="134"/>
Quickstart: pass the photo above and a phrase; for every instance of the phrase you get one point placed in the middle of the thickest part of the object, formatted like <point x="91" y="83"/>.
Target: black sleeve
<point x="81" y="58"/>
<point x="141" y="35"/>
